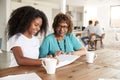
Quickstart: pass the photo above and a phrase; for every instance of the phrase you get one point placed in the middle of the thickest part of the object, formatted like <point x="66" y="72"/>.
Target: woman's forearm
<point x="80" y="52"/>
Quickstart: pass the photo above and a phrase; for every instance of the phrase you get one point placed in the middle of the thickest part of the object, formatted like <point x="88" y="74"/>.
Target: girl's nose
<point x="38" y="27"/>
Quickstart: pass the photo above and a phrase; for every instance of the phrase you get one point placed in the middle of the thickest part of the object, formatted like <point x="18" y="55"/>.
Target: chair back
<point x="103" y="35"/>
<point x="100" y="38"/>
<point x="92" y="37"/>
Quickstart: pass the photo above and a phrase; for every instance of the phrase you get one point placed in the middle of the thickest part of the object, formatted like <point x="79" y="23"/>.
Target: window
<point x="115" y="16"/>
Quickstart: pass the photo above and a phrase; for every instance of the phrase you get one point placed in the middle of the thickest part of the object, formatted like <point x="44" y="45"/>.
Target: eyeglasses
<point x="62" y="27"/>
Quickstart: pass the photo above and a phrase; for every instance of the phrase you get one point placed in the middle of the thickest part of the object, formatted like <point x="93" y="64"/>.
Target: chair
<point x="100" y="38"/>
<point x="92" y="42"/>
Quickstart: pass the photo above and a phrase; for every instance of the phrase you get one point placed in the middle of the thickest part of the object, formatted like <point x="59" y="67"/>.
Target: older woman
<point x="62" y="40"/>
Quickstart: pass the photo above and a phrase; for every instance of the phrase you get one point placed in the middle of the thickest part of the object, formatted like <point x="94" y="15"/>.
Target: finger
<point x="49" y="56"/>
<point x="57" y="60"/>
<point x="56" y="53"/>
<point x="60" y="52"/>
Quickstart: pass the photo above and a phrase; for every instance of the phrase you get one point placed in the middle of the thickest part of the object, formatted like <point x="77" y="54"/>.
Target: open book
<point x="66" y="59"/>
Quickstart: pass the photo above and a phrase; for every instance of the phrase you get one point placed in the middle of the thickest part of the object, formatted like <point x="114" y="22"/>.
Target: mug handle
<point x="43" y="64"/>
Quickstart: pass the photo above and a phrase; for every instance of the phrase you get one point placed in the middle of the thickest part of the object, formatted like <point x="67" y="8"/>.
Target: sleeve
<point x="75" y="42"/>
<point x="44" y="48"/>
<point x="13" y="42"/>
<point x="9" y="44"/>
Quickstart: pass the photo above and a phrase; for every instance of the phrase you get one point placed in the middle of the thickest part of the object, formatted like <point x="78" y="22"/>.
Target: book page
<point x="66" y="59"/>
<point x="27" y="76"/>
<point x="107" y="79"/>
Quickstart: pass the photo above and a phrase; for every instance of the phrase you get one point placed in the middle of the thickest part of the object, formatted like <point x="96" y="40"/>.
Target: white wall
<point x="99" y="11"/>
<point x="90" y="13"/>
<point x="94" y="9"/>
<point x="44" y="6"/>
<point x="4" y="13"/>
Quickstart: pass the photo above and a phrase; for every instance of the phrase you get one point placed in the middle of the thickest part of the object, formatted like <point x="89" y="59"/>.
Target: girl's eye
<point x="36" y="24"/>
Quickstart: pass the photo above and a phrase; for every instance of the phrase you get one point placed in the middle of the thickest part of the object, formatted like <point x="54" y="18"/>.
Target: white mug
<point x="90" y="56"/>
<point x="50" y="65"/>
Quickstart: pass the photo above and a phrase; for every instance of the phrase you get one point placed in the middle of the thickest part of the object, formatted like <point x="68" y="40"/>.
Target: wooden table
<point x="107" y="65"/>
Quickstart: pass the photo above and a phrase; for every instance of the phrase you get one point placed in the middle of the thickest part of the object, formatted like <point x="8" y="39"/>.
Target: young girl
<point x="24" y="23"/>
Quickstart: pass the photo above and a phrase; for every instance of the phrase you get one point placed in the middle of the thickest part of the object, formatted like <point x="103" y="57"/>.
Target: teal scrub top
<point x="50" y="45"/>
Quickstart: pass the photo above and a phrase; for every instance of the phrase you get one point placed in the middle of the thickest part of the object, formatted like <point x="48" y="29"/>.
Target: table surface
<point x="80" y="33"/>
<point x="106" y="65"/>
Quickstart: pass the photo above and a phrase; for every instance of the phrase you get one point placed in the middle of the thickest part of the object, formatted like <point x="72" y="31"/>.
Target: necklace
<point x="64" y="45"/>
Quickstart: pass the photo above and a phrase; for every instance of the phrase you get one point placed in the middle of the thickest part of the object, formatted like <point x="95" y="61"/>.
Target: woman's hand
<point x="58" y="53"/>
<point x="49" y="56"/>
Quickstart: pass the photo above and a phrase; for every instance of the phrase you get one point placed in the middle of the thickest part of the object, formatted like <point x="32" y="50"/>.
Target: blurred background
<point x="105" y="11"/>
